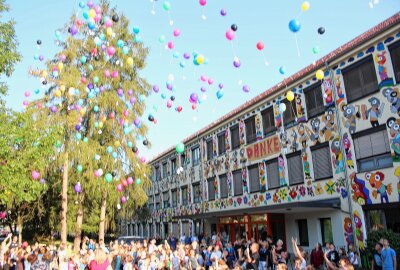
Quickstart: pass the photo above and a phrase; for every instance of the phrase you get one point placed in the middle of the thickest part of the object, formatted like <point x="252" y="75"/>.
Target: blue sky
<point x="257" y="20"/>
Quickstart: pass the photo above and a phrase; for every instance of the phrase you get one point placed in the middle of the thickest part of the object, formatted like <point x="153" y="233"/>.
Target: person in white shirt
<point x="216" y="255"/>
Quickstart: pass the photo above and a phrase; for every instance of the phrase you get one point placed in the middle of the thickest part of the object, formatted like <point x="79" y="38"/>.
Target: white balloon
<point x="171" y="77"/>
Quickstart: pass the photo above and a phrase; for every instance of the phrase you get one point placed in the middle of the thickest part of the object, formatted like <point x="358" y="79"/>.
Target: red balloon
<point x="260" y="46"/>
<point x="40" y="105"/>
<point x="179" y="108"/>
<point x="83" y="80"/>
<point x="193" y="106"/>
<point x="112" y="115"/>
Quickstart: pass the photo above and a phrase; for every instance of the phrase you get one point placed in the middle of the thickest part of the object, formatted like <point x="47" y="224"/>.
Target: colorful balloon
<point x="180" y="148"/>
<point x="230" y="35"/>
<point x="305" y="6"/>
<point x="223" y="12"/>
<point x="260" y="45"/>
<point x="282" y="107"/>
<point x="290" y="96"/>
<point x="202" y="2"/>
<point x="319" y="74"/>
<point x="321" y="30"/>
<point x="166" y="5"/>
<point x="282" y="70"/>
<point x="294" y="25"/>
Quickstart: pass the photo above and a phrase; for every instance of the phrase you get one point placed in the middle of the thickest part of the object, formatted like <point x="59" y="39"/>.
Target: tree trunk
<point x="19" y="228"/>
<point x="64" y="200"/>
<point x="78" y="224"/>
<point x="102" y="216"/>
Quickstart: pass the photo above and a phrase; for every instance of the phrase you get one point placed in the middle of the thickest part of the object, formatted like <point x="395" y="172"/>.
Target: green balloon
<point x="79" y="168"/>
<point x="166" y="6"/>
<point x="161" y="39"/>
<point x="138" y="181"/>
<point x="108" y="177"/>
<point x="315" y="50"/>
<point x="180" y="147"/>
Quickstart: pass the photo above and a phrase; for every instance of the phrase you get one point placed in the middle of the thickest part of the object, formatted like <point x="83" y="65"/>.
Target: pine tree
<point x="94" y="91"/>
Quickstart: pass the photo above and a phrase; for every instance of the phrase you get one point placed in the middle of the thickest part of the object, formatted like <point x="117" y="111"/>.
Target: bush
<point x="374" y="237"/>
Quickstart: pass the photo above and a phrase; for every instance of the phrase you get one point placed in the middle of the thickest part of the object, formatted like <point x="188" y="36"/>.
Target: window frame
<point x="223" y="196"/>
<point x="240" y="182"/>
<point x="209" y="155"/>
<point x="353" y="67"/>
<point x="375" y="158"/>
<point x="290" y="106"/>
<point x="173" y="165"/>
<point x="317" y="147"/>
<point x="301" y="223"/>
<point x="211" y="180"/>
<point x="158" y="173"/>
<point x="288" y="157"/>
<point x="196" y="199"/>
<point x="195" y="161"/>
<point x="319" y="110"/>
<point x="321" y="220"/>
<point x="168" y="201"/>
<point x="256" y="166"/>
<point x="272" y="129"/>
<point x="234" y="146"/>
<point x="221" y="137"/>
<point x="391" y="47"/>
<point x="268" y="162"/>
<point x="164" y="169"/>
<point x="184" y="192"/>
<point x="176" y="196"/>
<point x="250" y="140"/>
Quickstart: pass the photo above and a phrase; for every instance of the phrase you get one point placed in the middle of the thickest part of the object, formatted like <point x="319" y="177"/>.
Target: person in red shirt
<point x="317" y="257"/>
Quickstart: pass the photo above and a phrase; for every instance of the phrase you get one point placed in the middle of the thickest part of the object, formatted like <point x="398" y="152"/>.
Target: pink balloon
<point x="143" y="159"/>
<point x="108" y="23"/>
<point x="169" y="104"/>
<point x="97" y="9"/>
<point x="27" y="93"/>
<point x="230" y="34"/>
<point x="203" y="78"/>
<point x="126" y="113"/>
<point x="171" y="45"/>
<point x="115" y="74"/>
<point x="130" y="180"/>
<point x="121" y="122"/>
<point x="106" y="73"/>
<point x="3" y="215"/>
<point x="210" y="81"/>
<point x="119" y="187"/>
<point x="96" y="173"/>
<point x="111" y="50"/>
<point x="202" y="2"/>
<point x="25" y="103"/>
<point x="62" y="57"/>
<point x="123" y="199"/>
<point x="35" y="175"/>
<point x="177" y="32"/>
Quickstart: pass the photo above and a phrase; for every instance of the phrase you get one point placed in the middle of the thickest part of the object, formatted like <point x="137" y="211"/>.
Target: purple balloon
<point x="132" y="100"/>
<point x="41" y="181"/>
<point x="90" y="86"/>
<point x="53" y="109"/>
<point x="193" y="97"/>
<point x="203" y="89"/>
<point x="41" y="58"/>
<point x="120" y="92"/>
<point x="220" y="86"/>
<point x="156" y="88"/>
<point x="90" y="4"/>
<point x="186" y="55"/>
<point x="236" y="63"/>
<point x="78" y="188"/>
<point x="103" y="47"/>
<point x="223" y="12"/>
<point x="246" y="88"/>
<point x="130" y="92"/>
<point x="137" y="122"/>
<point x="169" y="86"/>
<point x="73" y="30"/>
<point x="78" y="127"/>
<point x="101" y="89"/>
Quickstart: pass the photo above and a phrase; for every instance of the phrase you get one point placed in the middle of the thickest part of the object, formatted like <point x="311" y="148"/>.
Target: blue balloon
<point x="102" y="36"/>
<point x="96" y="79"/>
<point x="120" y="43"/>
<point x="90" y="67"/>
<point x="36" y="57"/>
<point x="176" y="55"/>
<point x="114" y="155"/>
<point x="282" y="70"/>
<point x="85" y="15"/>
<point x="77" y="92"/>
<point x="195" y="62"/>
<point x="37" y="91"/>
<point x="80" y="102"/>
<point x="97" y="41"/>
<point x="125" y="50"/>
<point x="136" y="30"/>
<point x="96" y="108"/>
<point x="130" y="144"/>
<point x="182" y="64"/>
<point x="57" y="33"/>
<point x="220" y="94"/>
<point x="91" y="25"/>
<point x="91" y="95"/>
<point x="294" y="25"/>
<point x="78" y="136"/>
<point x="83" y="59"/>
<point x="139" y="137"/>
<point x="109" y="149"/>
<point x="163" y="96"/>
<point x="137" y="38"/>
<point x="85" y="140"/>
<point x="82" y="4"/>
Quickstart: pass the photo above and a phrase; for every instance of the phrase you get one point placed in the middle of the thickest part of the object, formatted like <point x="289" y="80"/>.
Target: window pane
<point x="314" y="101"/>
<point x="288" y="114"/>
<point x="254" y="178"/>
<point x="322" y="162"/>
<point x="209" y="149"/>
<point x="295" y="169"/>
<point x="369" y="80"/>
<point x="223" y="186"/>
<point x="250" y="130"/>
<point x="303" y="232"/>
<point x="237" y="182"/>
<point x="395" y="57"/>
<point x="196" y="193"/>
<point x="221" y="144"/>
<point x="326" y="230"/>
<point x="268" y="120"/>
<point x="196" y="156"/>
<point x="272" y="174"/>
<point x="211" y="189"/>
<point x="235" y="137"/>
<point x="385" y="161"/>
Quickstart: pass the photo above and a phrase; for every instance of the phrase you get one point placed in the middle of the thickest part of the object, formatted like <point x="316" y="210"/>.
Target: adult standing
<point x="388" y="256"/>
<point x="253" y="259"/>
<point x="263" y="256"/>
<point x="317" y="257"/>
<point x="100" y="261"/>
<point x="376" y="262"/>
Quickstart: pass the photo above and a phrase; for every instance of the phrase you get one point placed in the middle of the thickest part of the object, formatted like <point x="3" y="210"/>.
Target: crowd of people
<point x="186" y="254"/>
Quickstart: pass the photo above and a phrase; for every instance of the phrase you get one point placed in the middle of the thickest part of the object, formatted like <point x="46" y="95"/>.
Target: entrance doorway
<point x="166" y="231"/>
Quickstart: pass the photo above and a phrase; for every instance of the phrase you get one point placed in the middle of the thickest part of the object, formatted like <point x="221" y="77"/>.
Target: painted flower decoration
<point x="267" y="196"/>
<point x="239" y="200"/>
<point x="330" y="187"/>
<point x="275" y="198"/>
<point x="293" y="193"/>
<point x="230" y="201"/>
<point x="318" y="189"/>
<point x="340" y="182"/>
<point x="261" y="198"/>
<point x="302" y="191"/>
<point x="343" y="192"/>
<point x="283" y="194"/>
<point x="245" y="199"/>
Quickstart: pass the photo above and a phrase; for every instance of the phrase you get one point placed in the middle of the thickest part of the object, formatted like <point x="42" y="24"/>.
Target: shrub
<point x="373" y="237"/>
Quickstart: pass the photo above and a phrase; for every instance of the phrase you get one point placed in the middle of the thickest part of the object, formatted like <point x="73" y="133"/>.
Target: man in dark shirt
<point x="333" y="255"/>
<point x="172" y="242"/>
<point x="253" y="259"/>
<point x="376" y="263"/>
<point x="264" y="254"/>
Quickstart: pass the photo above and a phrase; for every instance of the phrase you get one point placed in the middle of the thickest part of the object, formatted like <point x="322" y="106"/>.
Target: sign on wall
<point x="263" y="149"/>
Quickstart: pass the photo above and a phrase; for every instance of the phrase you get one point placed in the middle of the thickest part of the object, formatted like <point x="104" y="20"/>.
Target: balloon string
<point x="297" y="45"/>
<point x="233" y="50"/>
<point x="265" y="58"/>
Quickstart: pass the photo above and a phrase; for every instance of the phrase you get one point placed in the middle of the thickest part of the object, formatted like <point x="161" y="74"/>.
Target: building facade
<point x="322" y="167"/>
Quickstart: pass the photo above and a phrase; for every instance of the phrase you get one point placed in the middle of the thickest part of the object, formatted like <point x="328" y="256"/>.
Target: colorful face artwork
<point x="244" y="179"/>
<point x="214" y="142"/>
<point x="227" y="140"/>
<point x="393" y="125"/>
<point x="281" y="171"/>
<point x="241" y="131"/>
<point x="329" y="130"/>
<point x="300" y="115"/>
<point x="302" y="134"/>
<point x="359" y="190"/>
<point x="259" y="132"/>
<point x="306" y="165"/>
<point x="380" y="59"/>
<point x="261" y="172"/>
<point x="230" y="181"/>
<point x="328" y="93"/>
<point x="348" y="152"/>
<point x="339" y="88"/>
<point x="348" y="230"/>
<point x="215" y="188"/>
<point x="337" y="157"/>
<point x="278" y="116"/>
<point x="359" y="229"/>
<point x="393" y="97"/>
<point x="376" y="181"/>
<point x="351" y="115"/>
<point x="375" y="111"/>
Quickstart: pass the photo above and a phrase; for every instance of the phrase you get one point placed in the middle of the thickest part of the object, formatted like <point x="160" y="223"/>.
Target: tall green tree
<point x="95" y="92"/>
<point x="9" y="54"/>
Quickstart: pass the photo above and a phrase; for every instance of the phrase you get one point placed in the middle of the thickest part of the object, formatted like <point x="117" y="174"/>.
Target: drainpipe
<point x="339" y="128"/>
<point x="202" y="184"/>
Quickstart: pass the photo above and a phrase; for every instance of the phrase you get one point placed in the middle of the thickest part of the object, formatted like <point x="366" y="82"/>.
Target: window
<point x="151" y="207"/>
<point x="382" y="216"/>
<point x="360" y="79"/>
<point x="235" y="139"/>
<point x="223" y="185"/>
<point x="158" y="204"/>
<point x="211" y="189"/>
<point x="221" y="143"/>
<point x="237" y="182"/>
<point x="184" y="195"/>
<point x="273" y="174"/>
<point x="372" y="149"/>
<point x="268" y="121"/>
<point x="314" y="100"/>
<point x="173" y="165"/>
<point x="303" y="232"/>
<point x="164" y="170"/>
<point x="196" y="155"/>
<point x="209" y="149"/>
<point x="196" y="193"/>
<point x="183" y="160"/>
<point x="288" y="115"/>
<point x="254" y="178"/>
<point x="326" y="230"/>
<point x="250" y="130"/>
<point x="395" y="56"/>
<point x="174" y="198"/>
<point x="158" y="173"/>
<point x="295" y="168"/>
<point x="322" y="162"/>
<point x="166" y="199"/>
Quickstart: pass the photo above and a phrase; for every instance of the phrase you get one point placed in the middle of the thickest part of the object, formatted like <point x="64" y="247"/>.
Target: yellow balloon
<point x="200" y="59"/>
<point x="60" y="66"/>
<point x="319" y="74"/>
<point x="305" y="6"/>
<point x="100" y="124"/>
<point x="57" y="93"/>
<point x="82" y="111"/>
<point x="44" y="73"/>
<point x="92" y="13"/>
<point x="109" y="31"/>
<point x="129" y="61"/>
<point x="103" y="119"/>
<point x="117" y="144"/>
<point x="290" y="95"/>
<point x="62" y="88"/>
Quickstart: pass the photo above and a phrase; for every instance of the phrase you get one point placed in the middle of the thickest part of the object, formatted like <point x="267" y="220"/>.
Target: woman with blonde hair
<point x="100" y="261"/>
